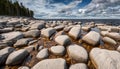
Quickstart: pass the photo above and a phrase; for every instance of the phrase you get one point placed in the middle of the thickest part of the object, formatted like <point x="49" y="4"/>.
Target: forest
<point x="14" y="9"/>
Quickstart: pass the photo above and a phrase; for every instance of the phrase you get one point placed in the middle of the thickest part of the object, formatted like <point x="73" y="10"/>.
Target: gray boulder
<point x="78" y="66"/>
<point x="63" y="40"/>
<point x="32" y="33"/>
<point x="109" y="41"/>
<point x="4" y="53"/>
<point x="58" y="50"/>
<point x="22" y="42"/>
<point x="48" y="32"/>
<point x="38" y="26"/>
<point x="17" y="57"/>
<point x="75" y="32"/>
<point x="43" y="54"/>
<point x="51" y="64"/>
<point x="77" y="53"/>
<point x="105" y="59"/>
<point x="92" y="38"/>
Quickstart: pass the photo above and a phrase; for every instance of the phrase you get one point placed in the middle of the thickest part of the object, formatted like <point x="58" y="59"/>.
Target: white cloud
<point x="43" y="8"/>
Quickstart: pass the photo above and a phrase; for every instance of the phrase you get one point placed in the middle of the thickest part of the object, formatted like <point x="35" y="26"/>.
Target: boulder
<point x="58" y="50"/>
<point x="17" y="57"/>
<point x="58" y="28"/>
<point x="92" y="38"/>
<point x="77" y="53"/>
<point x="109" y="41"/>
<point x="22" y="42"/>
<point x="103" y="33"/>
<point x="63" y="40"/>
<point x="30" y="48"/>
<point x="79" y="66"/>
<point x="23" y="67"/>
<point x="43" y="54"/>
<point x="58" y="63"/>
<point x="32" y="33"/>
<point x="105" y="59"/>
<point x="114" y="35"/>
<point x="86" y="28"/>
<point x="48" y="32"/>
<point x="6" y="30"/>
<point x="75" y="32"/>
<point x="15" y="36"/>
<point x="4" y="53"/>
<point x="38" y="26"/>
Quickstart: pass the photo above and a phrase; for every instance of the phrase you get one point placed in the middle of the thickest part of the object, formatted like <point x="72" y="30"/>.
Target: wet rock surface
<point x="27" y="43"/>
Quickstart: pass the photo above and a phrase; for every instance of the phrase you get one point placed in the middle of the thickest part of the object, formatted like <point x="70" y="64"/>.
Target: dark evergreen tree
<point x="14" y="9"/>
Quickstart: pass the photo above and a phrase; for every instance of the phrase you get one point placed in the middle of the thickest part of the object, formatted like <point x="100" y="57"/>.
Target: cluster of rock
<point x="20" y="37"/>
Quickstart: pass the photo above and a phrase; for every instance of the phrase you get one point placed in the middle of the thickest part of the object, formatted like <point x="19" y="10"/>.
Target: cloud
<point x="48" y="9"/>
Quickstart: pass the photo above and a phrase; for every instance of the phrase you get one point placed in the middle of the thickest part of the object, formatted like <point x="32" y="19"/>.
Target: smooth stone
<point x="103" y="33"/>
<point x="58" y="50"/>
<point x="114" y="35"/>
<point x="86" y="28"/>
<point x="17" y="57"/>
<point x="32" y="42"/>
<point x="77" y="53"/>
<point x="59" y="33"/>
<point x="105" y="59"/>
<point x="4" y="53"/>
<point x="38" y="26"/>
<point x="32" y="33"/>
<point x="92" y="38"/>
<point x="75" y="32"/>
<point x="22" y="42"/>
<point x="40" y="48"/>
<point x="43" y="54"/>
<point x="63" y="40"/>
<point x="60" y="27"/>
<point x="67" y="29"/>
<point x="58" y="63"/>
<point x="109" y="41"/>
<point x="15" y="36"/>
<point x="23" y="67"/>
<point x="6" y="30"/>
<point x="78" y="66"/>
<point x="48" y="32"/>
<point x="118" y="49"/>
<point x="30" y="48"/>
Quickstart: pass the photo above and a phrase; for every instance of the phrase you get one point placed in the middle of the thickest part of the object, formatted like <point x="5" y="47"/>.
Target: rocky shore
<point x="27" y="43"/>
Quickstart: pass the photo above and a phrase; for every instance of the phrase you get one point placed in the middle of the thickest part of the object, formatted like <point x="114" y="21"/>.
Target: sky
<point x="73" y="8"/>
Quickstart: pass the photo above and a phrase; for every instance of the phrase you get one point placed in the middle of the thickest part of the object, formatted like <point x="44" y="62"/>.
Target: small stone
<point x="38" y="26"/>
<point x="48" y="32"/>
<point x="78" y="66"/>
<point x="92" y="38"/>
<point x="29" y="48"/>
<point x="109" y="41"/>
<point x="75" y="32"/>
<point x="40" y="48"/>
<point x="59" y="33"/>
<point x="22" y="42"/>
<point x="63" y="40"/>
<point x="105" y="59"/>
<point x="58" y="63"/>
<point x="23" y="67"/>
<point x="114" y="35"/>
<point x="32" y="42"/>
<point x="4" y="53"/>
<point x="6" y="30"/>
<point x="15" y="36"/>
<point x="118" y="49"/>
<point x="16" y="57"/>
<point x="103" y="33"/>
<point x="43" y="54"/>
<point x="60" y="27"/>
<point x="77" y="53"/>
<point x="32" y="33"/>
<point x="58" y="50"/>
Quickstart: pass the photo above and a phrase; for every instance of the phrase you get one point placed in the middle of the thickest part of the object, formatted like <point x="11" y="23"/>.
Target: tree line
<point x="14" y="9"/>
